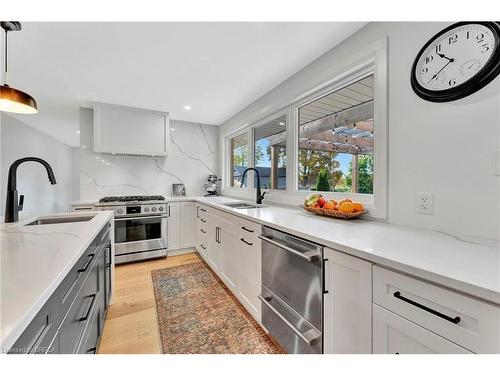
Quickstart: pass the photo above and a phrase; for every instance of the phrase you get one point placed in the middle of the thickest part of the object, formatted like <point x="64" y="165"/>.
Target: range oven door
<point x="140" y="233"/>
<point x="292" y="291"/>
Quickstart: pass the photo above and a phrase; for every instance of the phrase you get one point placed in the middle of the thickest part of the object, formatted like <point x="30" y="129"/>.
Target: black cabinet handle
<point x="248" y="243"/>
<point x="168" y="211"/>
<point x="454" y="320"/>
<point x="203" y="210"/>
<point x="91" y="256"/>
<point x="197" y="212"/>
<point x="203" y="247"/>
<point x="248" y="230"/>
<point x="203" y="231"/>
<point x="86" y="316"/>
<point x="203" y="221"/>
<point x="324" y="271"/>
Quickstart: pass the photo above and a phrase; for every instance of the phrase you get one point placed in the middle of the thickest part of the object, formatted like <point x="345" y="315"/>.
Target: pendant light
<point x="11" y="99"/>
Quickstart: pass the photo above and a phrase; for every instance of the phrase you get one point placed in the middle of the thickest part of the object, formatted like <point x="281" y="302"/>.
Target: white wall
<point x="19" y="140"/>
<point x="192" y="156"/>
<point x="442" y="148"/>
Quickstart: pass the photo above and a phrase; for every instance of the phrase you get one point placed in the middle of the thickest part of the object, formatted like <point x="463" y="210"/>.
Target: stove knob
<point x="146" y="209"/>
<point x="160" y="208"/>
<point x="119" y="211"/>
<point x="153" y="209"/>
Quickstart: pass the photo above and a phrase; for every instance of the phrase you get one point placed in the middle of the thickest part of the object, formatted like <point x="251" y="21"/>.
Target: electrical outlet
<point x="425" y="203"/>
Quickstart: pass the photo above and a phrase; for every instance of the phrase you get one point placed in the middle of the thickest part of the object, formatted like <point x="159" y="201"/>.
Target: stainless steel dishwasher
<point x="292" y="291"/>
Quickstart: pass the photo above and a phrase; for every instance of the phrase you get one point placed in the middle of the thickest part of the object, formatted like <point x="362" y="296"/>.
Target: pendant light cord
<point x="5" y="78"/>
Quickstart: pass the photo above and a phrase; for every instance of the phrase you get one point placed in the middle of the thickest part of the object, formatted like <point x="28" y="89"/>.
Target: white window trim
<point x="374" y="62"/>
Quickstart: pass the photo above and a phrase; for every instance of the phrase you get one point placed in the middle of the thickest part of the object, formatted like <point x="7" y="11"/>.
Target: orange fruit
<point x="344" y="201"/>
<point x="330" y="205"/>
<point x="358" y="207"/>
<point x="346" y="207"/>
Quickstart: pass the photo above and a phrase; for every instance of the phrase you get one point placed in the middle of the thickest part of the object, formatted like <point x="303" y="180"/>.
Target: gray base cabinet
<point x="72" y="320"/>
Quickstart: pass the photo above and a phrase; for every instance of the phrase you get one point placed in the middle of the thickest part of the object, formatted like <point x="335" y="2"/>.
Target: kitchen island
<point x="36" y="257"/>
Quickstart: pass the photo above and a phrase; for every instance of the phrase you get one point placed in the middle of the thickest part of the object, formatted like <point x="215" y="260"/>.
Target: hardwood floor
<point x="131" y="324"/>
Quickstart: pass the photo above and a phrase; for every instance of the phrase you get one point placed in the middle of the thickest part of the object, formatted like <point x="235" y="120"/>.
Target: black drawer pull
<point x="454" y="320"/>
<point x="203" y="247"/>
<point x="203" y="231"/>
<point x="203" y="221"/>
<point x="248" y="230"/>
<point x="91" y="256"/>
<point x="248" y="243"/>
<point x="203" y="210"/>
<point x="86" y="316"/>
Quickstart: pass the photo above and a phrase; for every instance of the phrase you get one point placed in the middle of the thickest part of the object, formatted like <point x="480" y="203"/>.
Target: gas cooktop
<point x="132" y="198"/>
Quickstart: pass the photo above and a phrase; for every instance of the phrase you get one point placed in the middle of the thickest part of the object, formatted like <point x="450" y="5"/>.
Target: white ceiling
<point x="216" y="68"/>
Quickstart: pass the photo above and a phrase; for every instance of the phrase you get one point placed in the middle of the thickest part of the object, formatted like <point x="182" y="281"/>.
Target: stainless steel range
<point x="140" y="226"/>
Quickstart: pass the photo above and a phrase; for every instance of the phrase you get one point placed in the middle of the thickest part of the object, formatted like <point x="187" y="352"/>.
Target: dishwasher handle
<point x="309" y="256"/>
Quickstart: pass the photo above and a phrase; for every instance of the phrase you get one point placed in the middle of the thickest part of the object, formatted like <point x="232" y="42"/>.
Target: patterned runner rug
<point x="198" y="314"/>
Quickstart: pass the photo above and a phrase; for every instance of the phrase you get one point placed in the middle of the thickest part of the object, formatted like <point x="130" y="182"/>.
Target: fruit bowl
<point x="334" y="213"/>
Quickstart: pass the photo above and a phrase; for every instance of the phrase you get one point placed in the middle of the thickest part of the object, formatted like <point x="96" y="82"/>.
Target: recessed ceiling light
<point x="78" y="132"/>
<point x="187" y="107"/>
<point x="282" y="123"/>
<point x="172" y="129"/>
<point x="83" y="146"/>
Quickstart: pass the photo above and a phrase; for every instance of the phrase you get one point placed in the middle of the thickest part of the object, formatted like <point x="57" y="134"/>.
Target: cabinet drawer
<point x="393" y="334"/>
<point x="93" y="330"/>
<point x="201" y="212"/>
<point x="80" y="312"/>
<point x="468" y="322"/>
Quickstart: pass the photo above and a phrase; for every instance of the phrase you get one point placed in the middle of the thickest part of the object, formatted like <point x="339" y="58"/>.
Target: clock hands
<point x="443" y="56"/>
<point x="440" y="70"/>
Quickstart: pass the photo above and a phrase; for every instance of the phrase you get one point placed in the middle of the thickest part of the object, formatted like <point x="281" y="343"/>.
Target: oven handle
<point x="309" y="256"/>
<point x="142" y="217"/>
<point x="309" y="337"/>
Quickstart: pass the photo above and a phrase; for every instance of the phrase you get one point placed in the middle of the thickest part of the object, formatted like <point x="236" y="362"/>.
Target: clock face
<point x="458" y="61"/>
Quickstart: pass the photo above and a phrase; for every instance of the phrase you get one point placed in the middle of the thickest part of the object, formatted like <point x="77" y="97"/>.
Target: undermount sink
<point x="60" y="220"/>
<point x="240" y="205"/>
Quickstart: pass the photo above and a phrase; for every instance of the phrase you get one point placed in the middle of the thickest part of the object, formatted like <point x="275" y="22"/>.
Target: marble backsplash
<point x="192" y="156"/>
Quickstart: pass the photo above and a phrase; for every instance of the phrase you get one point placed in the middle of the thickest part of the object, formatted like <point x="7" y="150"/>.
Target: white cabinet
<point x="174" y="225"/>
<point x="249" y="258"/>
<point x="188" y="225"/>
<point x="229" y="244"/>
<point x="126" y="130"/>
<point x="348" y="304"/>
<point x="231" y="247"/>
<point x="392" y="334"/>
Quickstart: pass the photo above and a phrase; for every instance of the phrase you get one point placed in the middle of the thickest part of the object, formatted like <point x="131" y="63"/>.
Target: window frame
<point x="375" y="62"/>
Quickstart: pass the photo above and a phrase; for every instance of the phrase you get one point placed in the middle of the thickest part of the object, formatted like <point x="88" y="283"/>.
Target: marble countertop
<point x="34" y="261"/>
<point x="468" y="265"/>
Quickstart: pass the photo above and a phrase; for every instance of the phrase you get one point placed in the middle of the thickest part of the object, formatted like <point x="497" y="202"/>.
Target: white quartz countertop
<point x="468" y="265"/>
<point x="34" y="261"/>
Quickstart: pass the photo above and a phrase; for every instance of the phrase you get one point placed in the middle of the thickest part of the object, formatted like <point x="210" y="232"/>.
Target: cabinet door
<point x="188" y="227"/>
<point x="174" y="225"/>
<point x="348" y="304"/>
<point x="393" y="334"/>
<point x="229" y="242"/>
<point x="250" y="274"/>
<point x="214" y="246"/>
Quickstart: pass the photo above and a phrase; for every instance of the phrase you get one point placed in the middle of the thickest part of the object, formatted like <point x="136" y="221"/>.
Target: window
<point x="239" y="159"/>
<point x="336" y="143"/>
<point x="270" y="153"/>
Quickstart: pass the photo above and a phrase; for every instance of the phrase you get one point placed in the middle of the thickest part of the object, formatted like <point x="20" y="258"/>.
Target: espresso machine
<point x="212" y="187"/>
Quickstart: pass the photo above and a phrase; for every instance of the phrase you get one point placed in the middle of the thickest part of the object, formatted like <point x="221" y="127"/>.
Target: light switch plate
<point x="496" y="163"/>
<point x="425" y="203"/>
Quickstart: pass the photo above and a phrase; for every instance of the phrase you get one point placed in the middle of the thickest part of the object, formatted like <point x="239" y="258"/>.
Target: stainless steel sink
<point x="60" y="220"/>
<point x="240" y="205"/>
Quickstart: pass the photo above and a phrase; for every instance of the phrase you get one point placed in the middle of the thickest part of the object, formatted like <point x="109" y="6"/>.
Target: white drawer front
<point x="430" y="306"/>
<point x="393" y="334"/>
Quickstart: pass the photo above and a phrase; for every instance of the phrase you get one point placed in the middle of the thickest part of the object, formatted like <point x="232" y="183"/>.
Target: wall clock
<point x="458" y="61"/>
